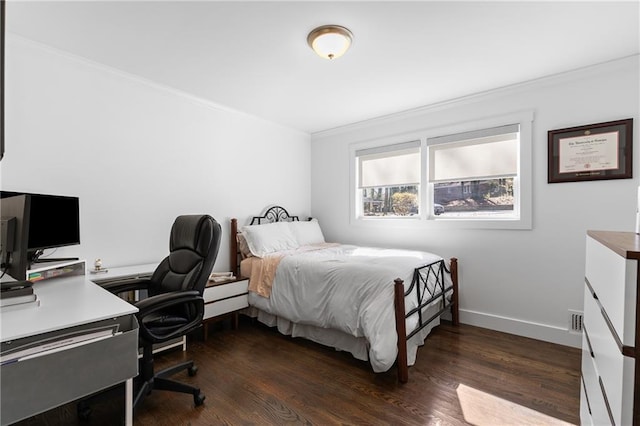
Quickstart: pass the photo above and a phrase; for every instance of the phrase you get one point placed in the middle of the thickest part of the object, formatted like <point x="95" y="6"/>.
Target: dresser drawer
<point x="596" y="412"/>
<point x="225" y="290"/>
<point x="585" y="414"/>
<point x="610" y="365"/>
<point x="225" y="306"/>
<point x="613" y="279"/>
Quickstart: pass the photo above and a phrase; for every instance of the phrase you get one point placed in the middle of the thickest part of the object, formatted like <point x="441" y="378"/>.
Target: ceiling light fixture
<point x="330" y="41"/>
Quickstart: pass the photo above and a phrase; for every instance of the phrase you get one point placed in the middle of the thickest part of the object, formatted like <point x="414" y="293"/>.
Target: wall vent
<point x="575" y="321"/>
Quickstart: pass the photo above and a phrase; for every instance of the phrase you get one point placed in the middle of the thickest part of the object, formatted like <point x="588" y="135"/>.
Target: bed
<point x="378" y="304"/>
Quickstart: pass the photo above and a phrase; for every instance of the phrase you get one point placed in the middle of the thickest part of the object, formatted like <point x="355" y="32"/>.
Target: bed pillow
<point x="307" y="232"/>
<point x="243" y="247"/>
<point x="269" y="238"/>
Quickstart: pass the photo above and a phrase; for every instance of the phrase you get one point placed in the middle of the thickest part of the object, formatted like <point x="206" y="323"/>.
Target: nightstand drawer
<point x="225" y="306"/>
<point x="219" y="291"/>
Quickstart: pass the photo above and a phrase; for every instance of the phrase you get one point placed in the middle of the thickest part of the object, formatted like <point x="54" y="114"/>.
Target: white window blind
<point x="391" y="165"/>
<point x="484" y="154"/>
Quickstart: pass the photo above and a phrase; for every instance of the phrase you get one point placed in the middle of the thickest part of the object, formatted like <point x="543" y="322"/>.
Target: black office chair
<point x="175" y="305"/>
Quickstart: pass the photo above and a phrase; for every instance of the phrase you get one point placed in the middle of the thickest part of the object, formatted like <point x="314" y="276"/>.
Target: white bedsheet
<point x="345" y="288"/>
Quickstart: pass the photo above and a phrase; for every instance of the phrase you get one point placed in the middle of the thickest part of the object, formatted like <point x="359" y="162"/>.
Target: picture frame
<point x="591" y="152"/>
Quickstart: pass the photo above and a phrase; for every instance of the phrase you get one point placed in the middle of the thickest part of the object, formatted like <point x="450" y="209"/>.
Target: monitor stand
<point x="34" y="257"/>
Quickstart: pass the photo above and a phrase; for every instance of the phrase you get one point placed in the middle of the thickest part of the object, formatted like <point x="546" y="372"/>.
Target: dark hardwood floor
<point x="255" y="376"/>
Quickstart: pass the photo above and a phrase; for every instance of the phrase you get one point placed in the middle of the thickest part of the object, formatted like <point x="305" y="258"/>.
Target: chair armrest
<point x="128" y="285"/>
<point x="191" y="300"/>
<point x="166" y="300"/>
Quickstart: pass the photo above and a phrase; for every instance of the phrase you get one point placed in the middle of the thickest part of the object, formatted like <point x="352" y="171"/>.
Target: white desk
<point x="69" y="304"/>
<point x="123" y="272"/>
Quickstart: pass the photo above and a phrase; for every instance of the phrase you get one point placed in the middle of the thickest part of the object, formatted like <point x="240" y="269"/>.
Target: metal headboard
<point x="274" y="214"/>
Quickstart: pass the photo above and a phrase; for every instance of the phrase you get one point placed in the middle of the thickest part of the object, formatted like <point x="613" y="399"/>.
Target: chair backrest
<point x="193" y="248"/>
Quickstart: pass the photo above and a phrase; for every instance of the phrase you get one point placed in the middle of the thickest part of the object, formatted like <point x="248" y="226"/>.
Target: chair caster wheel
<point x="199" y="399"/>
<point x="192" y="371"/>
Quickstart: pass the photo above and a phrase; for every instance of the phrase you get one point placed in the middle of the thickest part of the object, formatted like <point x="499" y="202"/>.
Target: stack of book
<point x="17" y="295"/>
<point x="220" y="277"/>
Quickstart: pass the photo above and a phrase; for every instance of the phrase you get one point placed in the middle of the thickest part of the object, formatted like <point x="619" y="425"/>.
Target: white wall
<point x="523" y="282"/>
<point x="138" y="155"/>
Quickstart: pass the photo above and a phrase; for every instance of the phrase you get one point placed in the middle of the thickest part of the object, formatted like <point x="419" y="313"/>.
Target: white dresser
<point x="610" y="393"/>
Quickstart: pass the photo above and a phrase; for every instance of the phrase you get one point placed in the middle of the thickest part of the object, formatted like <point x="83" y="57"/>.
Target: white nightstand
<point x="222" y="299"/>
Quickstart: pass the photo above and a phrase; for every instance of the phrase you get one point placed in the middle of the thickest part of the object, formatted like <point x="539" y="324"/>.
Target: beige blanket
<point x="263" y="271"/>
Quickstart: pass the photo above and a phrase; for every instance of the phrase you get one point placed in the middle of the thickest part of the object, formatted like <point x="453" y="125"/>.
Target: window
<point x="388" y="182"/>
<point x="474" y="173"/>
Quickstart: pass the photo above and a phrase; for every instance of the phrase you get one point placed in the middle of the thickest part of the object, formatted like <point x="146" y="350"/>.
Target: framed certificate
<point x="592" y="152"/>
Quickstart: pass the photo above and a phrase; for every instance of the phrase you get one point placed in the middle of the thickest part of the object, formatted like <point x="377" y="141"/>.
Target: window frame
<point x="355" y="192"/>
<point x="522" y="182"/>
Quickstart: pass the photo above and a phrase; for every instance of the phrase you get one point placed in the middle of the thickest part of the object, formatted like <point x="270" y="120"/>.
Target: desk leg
<point x="128" y="403"/>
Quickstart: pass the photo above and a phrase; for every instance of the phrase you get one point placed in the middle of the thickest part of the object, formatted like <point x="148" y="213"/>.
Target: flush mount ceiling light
<point x="330" y="41"/>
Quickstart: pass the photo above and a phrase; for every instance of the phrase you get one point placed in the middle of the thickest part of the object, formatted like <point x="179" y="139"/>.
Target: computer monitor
<point x="47" y="221"/>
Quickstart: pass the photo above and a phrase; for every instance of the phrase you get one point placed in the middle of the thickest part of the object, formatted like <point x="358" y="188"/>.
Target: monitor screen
<point x="54" y="220"/>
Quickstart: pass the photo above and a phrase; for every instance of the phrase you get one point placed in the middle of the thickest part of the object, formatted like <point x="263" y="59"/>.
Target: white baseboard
<point x="544" y="332"/>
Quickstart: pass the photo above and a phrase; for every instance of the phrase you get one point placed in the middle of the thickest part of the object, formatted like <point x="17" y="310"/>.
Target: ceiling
<point x="253" y="57"/>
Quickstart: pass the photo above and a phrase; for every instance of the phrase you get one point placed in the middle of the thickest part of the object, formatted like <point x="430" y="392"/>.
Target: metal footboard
<point x="429" y="284"/>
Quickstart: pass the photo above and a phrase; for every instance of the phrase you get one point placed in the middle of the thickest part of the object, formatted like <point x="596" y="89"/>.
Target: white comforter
<point x="347" y="288"/>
